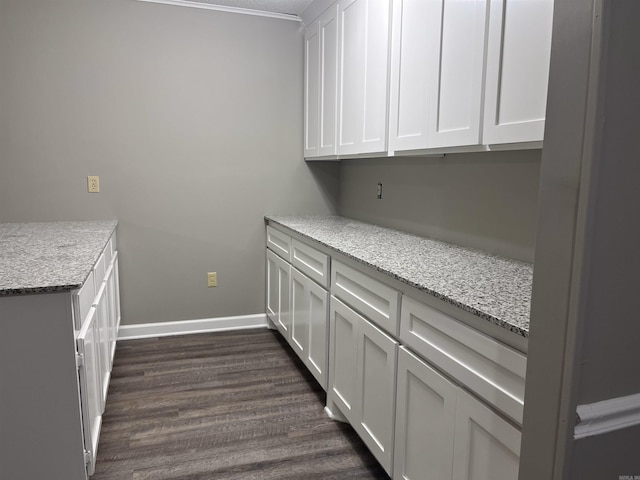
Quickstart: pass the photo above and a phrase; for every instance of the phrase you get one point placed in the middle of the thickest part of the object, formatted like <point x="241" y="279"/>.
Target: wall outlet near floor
<point x="212" y="279"/>
<point x="93" y="184"/>
<point x="379" y="191"/>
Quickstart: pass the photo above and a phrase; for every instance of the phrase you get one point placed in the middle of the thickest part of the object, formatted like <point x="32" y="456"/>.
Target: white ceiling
<point x="287" y="7"/>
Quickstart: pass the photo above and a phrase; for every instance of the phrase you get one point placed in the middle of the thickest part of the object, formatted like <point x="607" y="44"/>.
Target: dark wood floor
<point x="233" y="405"/>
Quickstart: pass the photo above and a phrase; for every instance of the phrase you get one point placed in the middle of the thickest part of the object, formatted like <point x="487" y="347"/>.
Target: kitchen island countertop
<point x="494" y="288"/>
<point x="43" y="257"/>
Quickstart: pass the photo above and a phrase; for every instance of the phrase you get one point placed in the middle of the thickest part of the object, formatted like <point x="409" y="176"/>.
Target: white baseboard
<point x="607" y="416"/>
<point x="204" y="325"/>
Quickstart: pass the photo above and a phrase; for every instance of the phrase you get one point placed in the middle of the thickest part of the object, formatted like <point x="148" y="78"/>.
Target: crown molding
<point x="223" y="8"/>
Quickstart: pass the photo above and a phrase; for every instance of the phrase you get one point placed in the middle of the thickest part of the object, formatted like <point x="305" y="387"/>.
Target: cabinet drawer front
<point x="311" y="262"/>
<point x="279" y="243"/>
<point x="489" y="368"/>
<point x="375" y="300"/>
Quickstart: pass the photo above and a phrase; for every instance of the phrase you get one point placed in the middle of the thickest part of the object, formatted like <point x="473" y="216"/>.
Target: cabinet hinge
<point x="79" y="360"/>
<point x="87" y="457"/>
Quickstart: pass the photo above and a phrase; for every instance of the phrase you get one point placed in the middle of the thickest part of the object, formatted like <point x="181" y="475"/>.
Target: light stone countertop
<point x="494" y="288"/>
<point x="44" y="257"/>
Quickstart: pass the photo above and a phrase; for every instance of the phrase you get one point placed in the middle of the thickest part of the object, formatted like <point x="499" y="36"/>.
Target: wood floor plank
<point x="232" y="406"/>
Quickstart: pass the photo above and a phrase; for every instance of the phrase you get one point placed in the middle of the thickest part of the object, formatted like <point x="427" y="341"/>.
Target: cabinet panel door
<point x="376" y="386"/>
<point x="425" y="421"/>
<point x="311" y="90"/>
<point x="88" y="344"/>
<point x="299" y="314"/>
<point x="318" y="355"/>
<point x="456" y="87"/>
<point x="328" y="80"/>
<point x="437" y="73"/>
<point x="343" y="329"/>
<point x="519" y="47"/>
<point x="102" y="318"/>
<point x="487" y="447"/>
<point x="414" y="52"/>
<point x="278" y="291"/>
<point x="111" y="308"/>
<point x="362" y="76"/>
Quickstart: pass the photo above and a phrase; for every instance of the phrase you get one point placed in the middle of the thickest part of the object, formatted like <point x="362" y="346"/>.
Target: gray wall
<point x="584" y="338"/>
<point x="191" y="118"/>
<point x="483" y="200"/>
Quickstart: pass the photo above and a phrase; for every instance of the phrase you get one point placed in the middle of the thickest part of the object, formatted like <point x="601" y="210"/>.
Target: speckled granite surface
<point x="49" y="257"/>
<point x="494" y="288"/>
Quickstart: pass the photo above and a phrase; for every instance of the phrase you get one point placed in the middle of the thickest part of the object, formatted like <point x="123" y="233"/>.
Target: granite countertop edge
<point x="511" y="326"/>
<point x="39" y="267"/>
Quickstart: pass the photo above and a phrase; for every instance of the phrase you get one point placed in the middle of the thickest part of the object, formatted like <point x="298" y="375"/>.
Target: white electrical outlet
<point x="93" y="184"/>
<point x="212" y="279"/>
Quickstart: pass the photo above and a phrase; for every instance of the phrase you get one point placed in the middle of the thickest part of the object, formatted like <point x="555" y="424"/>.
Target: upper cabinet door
<point x="328" y="33"/>
<point x="519" y="47"/>
<point x="311" y="91"/>
<point x="362" y="76"/>
<point x="436" y="73"/>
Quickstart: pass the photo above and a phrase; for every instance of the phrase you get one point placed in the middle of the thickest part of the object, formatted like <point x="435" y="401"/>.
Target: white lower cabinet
<point x="278" y="291"/>
<point x="95" y="344"/>
<point x="442" y="432"/>
<point x="487" y="447"/>
<point x="309" y="326"/>
<point x="90" y="379"/>
<point x="363" y="378"/>
<point x="425" y="421"/>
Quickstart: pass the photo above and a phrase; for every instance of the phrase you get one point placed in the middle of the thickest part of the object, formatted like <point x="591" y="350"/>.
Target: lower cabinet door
<point x="278" y="291"/>
<point x="113" y="308"/>
<point x="487" y="447"/>
<point x="318" y="354"/>
<point x="88" y="344"/>
<point x="104" y="334"/>
<point x="310" y="324"/>
<point x="425" y="421"/>
<point x="376" y="386"/>
<point x="343" y="328"/>
<point x="299" y="318"/>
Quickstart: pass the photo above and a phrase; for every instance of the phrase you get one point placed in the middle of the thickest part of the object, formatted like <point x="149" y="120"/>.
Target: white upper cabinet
<point x="311" y="91"/>
<point x="328" y="28"/>
<point x="436" y="73"/>
<point x="363" y="41"/>
<point x="518" y="53"/>
<point x="321" y="85"/>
